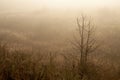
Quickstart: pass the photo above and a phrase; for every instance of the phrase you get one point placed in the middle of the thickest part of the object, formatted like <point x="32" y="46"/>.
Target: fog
<point x="7" y="5"/>
<point x="53" y="20"/>
<point x="40" y="27"/>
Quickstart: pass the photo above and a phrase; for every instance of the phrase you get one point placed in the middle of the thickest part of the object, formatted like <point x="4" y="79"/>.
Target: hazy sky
<point x="24" y="5"/>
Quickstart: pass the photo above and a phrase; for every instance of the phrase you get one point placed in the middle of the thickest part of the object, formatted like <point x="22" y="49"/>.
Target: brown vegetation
<point x="36" y="64"/>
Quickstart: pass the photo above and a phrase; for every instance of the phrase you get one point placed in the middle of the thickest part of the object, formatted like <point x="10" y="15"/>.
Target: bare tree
<point x="85" y="42"/>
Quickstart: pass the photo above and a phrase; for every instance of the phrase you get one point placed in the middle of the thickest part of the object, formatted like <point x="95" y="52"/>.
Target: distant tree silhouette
<point x="85" y="42"/>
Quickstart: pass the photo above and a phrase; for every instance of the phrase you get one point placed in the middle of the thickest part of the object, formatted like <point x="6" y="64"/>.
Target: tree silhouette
<point x="85" y="42"/>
